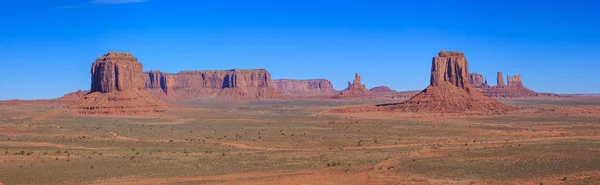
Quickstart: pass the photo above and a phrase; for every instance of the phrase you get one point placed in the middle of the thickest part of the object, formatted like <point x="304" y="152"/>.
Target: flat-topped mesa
<point x="451" y="54"/>
<point x="500" y="80"/>
<point x="515" y="81"/>
<point x="450" y="67"/>
<point x="311" y="87"/>
<point x="477" y="80"/>
<point x="116" y="71"/>
<point x="234" y="84"/>
<point x="382" y="89"/>
<point x="117" y="87"/>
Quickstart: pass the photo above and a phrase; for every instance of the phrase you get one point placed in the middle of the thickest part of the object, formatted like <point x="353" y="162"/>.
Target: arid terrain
<point x="242" y="127"/>
<point x="301" y="142"/>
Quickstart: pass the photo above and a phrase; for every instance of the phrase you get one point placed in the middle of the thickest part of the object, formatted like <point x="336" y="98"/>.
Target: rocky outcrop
<point x="232" y="84"/>
<point x="117" y="87"/>
<point x="382" y="89"/>
<point x="116" y="72"/>
<point x="514" y="81"/>
<point x="158" y="80"/>
<point x="354" y="90"/>
<point x="312" y="87"/>
<point x="450" y="90"/>
<point x="477" y="80"/>
<point x="514" y="89"/>
<point x="500" y="80"/>
<point x="450" y="67"/>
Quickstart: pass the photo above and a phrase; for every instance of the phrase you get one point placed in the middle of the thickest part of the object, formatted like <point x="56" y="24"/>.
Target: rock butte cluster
<point x="116" y="88"/>
<point x="513" y="89"/>
<point x="449" y="90"/>
<point x="354" y="89"/>
<point x="300" y="88"/>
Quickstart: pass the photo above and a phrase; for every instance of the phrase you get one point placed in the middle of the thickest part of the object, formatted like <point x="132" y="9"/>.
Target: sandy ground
<point x="299" y="142"/>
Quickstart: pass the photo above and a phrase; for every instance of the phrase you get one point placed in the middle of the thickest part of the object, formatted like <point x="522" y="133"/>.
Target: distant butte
<point x="303" y="88"/>
<point x="513" y="89"/>
<point x="354" y="90"/>
<point x="382" y="89"/>
<point x="116" y="88"/>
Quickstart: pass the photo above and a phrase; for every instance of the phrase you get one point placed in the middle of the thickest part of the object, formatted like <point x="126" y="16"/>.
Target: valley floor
<point x="300" y="142"/>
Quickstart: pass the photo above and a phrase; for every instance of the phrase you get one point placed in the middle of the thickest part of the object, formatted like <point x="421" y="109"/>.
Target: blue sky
<point x="47" y="47"/>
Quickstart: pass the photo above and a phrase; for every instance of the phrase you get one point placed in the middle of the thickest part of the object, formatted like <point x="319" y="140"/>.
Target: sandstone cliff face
<point x="117" y="87"/>
<point x="382" y="89"/>
<point x="354" y="90"/>
<point x="223" y="78"/>
<point x="158" y="80"/>
<point x="500" y="80"/>
<point x="450" y="67"/>
<point x="312" y="87"/>
<point x="515" y="81"/>
<point x="116" y="72"/>
<point x="232" y="84"/>
<point x="450" y="91"/>
<point x="477" y="80"/>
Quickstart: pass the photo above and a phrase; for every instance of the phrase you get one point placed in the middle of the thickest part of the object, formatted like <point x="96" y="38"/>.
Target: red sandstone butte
<point x="117" y="87"/>
<point x="300" y="88"/>
<point x="449" y="90"/>
<point x="354" y="90"/>
<point x="478" y="81"/>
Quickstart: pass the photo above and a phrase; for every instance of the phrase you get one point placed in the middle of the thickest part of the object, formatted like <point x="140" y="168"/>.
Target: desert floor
<point x="300" y="142"/>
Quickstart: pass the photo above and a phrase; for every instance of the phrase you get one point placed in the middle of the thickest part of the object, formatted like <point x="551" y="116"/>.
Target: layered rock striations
<point x="450" y="91"/>
<point x="232" y="84"/>
<point x="117" y="87"/>
<point x="302" y="88"/>
<point x="354" y="90"/>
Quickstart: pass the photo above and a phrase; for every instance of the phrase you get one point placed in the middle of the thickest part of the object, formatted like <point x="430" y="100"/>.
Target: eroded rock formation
<point x="382" y="89"/>
<point x="116" y="72"/>
<point x="312" y="87"/>
<point x="354" y="90"/>
<point x="477" y="80"/>
<point x="514" y="81"/>
<point x="232" y="84"/>
<point x="500" y="80"/>
<point x="117" y="87"/>
<point x="514" y="89"/>
<point x="450" y="91"/>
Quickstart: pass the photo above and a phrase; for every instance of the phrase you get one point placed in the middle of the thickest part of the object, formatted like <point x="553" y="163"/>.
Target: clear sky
<point x="47" y="47"/>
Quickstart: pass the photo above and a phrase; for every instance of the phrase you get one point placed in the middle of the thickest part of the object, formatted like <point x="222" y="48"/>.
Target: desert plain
<point x="301" y="142"/>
